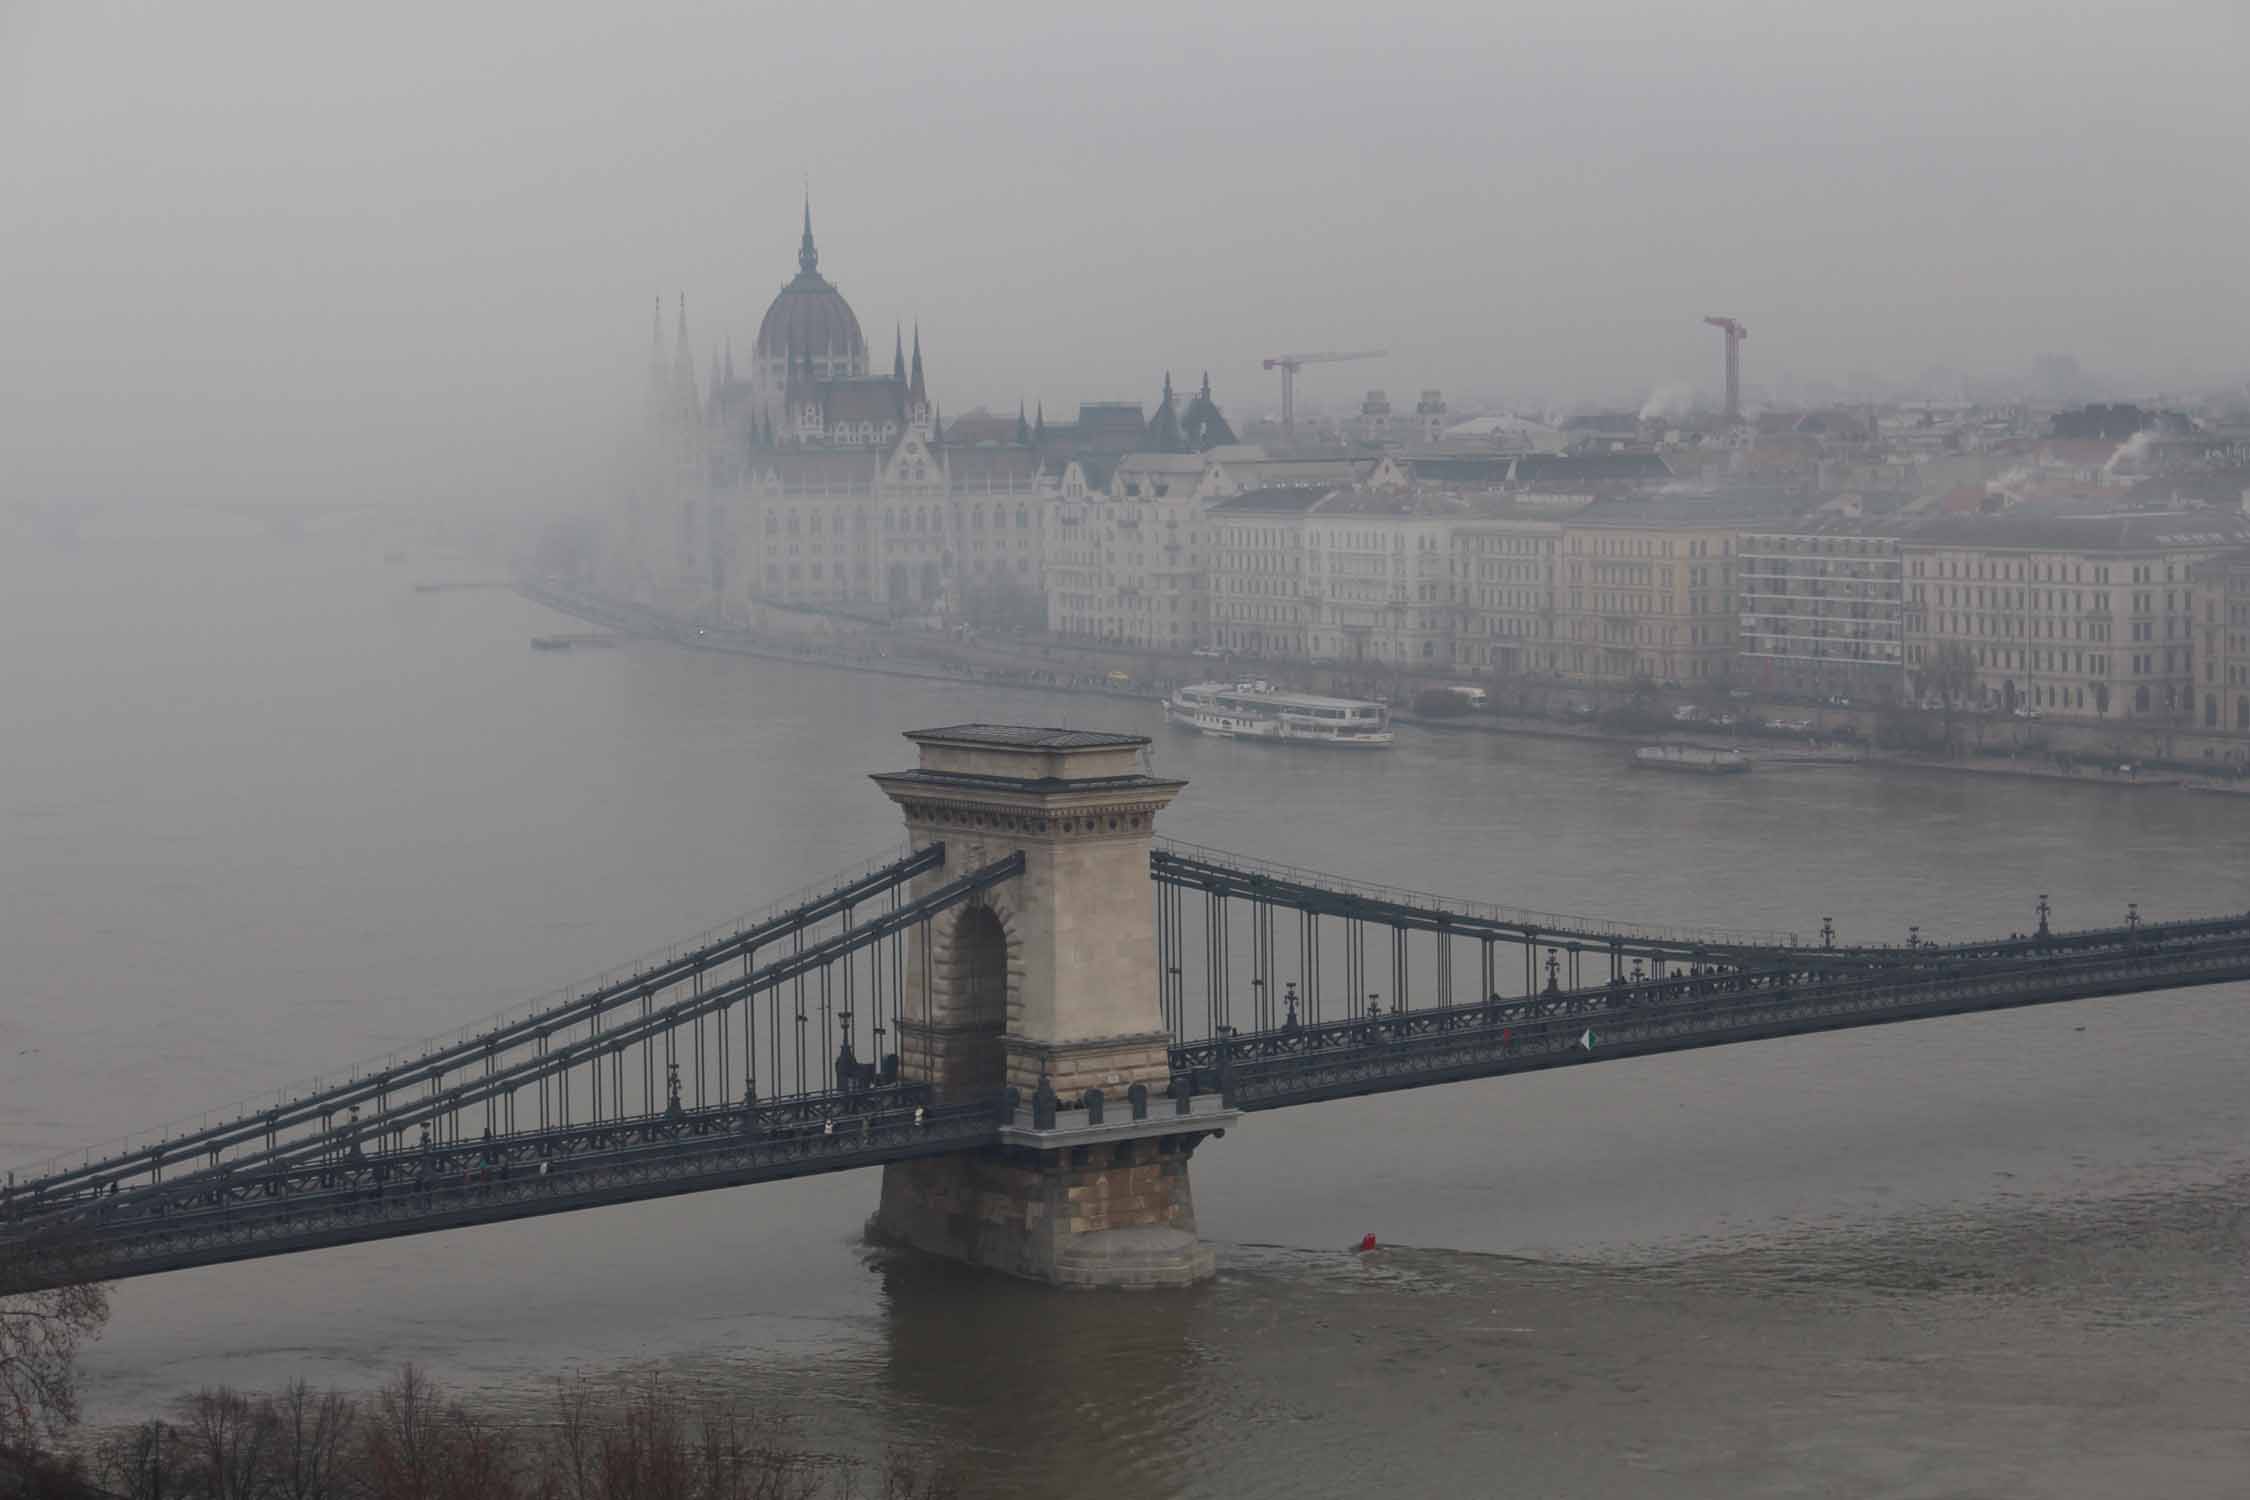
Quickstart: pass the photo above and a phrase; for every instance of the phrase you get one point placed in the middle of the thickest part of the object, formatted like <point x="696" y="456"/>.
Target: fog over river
<point x="267" y="810"/>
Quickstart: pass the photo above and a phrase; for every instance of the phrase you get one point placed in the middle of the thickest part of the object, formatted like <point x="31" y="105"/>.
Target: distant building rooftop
<point x="1282" y="499"/>
<point x="1415" y="503"/>
<point x="2126" y="531"/>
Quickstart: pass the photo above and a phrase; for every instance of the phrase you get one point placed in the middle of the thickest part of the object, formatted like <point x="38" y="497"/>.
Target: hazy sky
<point x="319" y="248"/>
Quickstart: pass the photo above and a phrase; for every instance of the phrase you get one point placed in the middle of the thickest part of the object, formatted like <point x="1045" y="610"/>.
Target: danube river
<point x="267" y="810"/>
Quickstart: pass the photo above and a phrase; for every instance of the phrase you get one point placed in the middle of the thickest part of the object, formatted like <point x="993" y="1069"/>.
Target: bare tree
<point x="646" y="1454"/>
<point x="41" y="1333"/>
<point x="1952" y="676"/>
<point x="224" y="1434"/>
<point x="138" y="1462"/>
<point x="411" y="1442"/>
<point x="312" y="1435"/>
<point x="403" y="1447"/>
<point x="570" y="1469"/>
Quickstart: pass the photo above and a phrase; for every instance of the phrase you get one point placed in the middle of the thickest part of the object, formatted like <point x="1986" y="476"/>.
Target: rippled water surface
<point x="266" y="809"/>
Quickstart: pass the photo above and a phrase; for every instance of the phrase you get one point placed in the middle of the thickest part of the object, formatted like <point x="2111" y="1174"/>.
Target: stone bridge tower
<point x="1050" y="979"/>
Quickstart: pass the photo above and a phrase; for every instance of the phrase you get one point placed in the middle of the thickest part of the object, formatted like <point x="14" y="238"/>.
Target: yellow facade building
<point x="1647" y="594"/>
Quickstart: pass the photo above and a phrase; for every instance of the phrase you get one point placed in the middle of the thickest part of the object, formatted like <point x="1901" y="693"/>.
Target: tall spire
<point x="683" y="368"/>
<point x="898" y="353"/>
<point x="1023" y="427"/>
<point x="808" y="259"/>
<point x="1039" y="425"/>
<point x="659" y="400"/>
<point x="1204" y="427"/>
<point x="1164" y="427"/>
<point x="916" y="393"/>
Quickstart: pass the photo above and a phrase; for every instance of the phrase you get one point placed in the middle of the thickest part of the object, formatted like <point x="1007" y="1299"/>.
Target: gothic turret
<point x="920" y="414"/>
<point x="687" y="403"/>
<point x="1164" y="434"/>
<point x="1203" y="427"/>
<point x="658" y="402"/>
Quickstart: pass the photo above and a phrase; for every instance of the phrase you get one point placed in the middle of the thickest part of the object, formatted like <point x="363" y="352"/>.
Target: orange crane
<point x="1289" y="364"/>
<point x="1735" y="333"/>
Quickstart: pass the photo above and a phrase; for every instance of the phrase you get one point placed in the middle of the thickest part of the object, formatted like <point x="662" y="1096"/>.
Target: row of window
<point x="924" y="519"/>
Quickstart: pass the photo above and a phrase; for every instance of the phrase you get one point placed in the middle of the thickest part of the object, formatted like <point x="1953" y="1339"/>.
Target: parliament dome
<point x="810" y="317"/>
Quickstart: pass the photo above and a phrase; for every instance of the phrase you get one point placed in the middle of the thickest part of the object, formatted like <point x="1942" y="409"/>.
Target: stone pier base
<point x="1116" y="1214"/>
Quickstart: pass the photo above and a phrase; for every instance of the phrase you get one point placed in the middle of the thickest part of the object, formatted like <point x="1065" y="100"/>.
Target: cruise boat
<point x="1697" y="758"/>
<point x="1261" y="711"/>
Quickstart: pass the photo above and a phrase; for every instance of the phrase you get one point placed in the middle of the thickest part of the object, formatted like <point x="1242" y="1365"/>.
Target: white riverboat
<point x="1261" y="711"/>
<point x="1697" y="758"/>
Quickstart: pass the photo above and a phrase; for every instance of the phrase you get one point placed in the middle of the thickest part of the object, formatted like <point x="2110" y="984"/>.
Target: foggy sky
<point x="362" y="251"/>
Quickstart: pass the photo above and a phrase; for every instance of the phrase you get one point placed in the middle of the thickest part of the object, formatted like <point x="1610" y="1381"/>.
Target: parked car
<point x="1213" y="652"/>
<point x="1687" y="713"/>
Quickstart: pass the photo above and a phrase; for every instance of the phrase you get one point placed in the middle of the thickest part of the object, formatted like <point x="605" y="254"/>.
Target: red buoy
<point x="1366" y="1242"/>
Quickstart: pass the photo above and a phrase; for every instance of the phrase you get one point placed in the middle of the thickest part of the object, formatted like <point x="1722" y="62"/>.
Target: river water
<point x="266" y="809"/>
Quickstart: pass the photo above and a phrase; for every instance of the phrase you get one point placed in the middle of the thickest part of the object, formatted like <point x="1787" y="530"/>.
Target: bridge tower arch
<point x="1048" y="986"/>
<point x="954" y="1030"/>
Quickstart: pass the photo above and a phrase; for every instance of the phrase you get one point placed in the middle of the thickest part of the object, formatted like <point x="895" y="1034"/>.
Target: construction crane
<point x="1735" y="333"/>
<point x="1289" y="364"/>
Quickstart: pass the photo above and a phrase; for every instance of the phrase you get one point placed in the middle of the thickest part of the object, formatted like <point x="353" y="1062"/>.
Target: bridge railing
<point x="239" y="1215"/>
<point x="2122" y="937"/>
<point x="1301" y="1064"/>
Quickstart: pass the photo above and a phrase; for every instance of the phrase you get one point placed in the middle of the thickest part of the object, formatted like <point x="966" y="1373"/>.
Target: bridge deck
<point x="370" y="1196"/>
<point x="1412" y="1049"/>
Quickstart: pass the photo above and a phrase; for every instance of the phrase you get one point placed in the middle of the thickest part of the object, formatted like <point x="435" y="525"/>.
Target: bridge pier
<point x="1046" y="989"/>
<point x="1116" y="1214"/>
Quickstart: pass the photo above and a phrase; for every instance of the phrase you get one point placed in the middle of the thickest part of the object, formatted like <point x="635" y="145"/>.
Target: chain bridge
<point x="1029" y="1018"/>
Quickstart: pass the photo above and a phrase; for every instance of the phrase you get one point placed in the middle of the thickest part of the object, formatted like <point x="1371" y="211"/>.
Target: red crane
<point x="1735" y="333"/>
